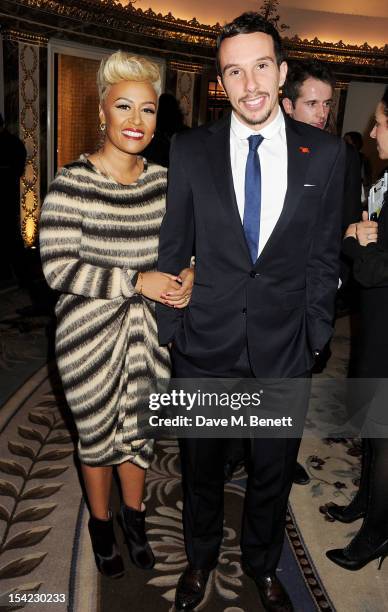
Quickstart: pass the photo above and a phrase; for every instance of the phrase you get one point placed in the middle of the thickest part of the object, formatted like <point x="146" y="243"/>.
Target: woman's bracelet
<point x="140" y="279"/>
<point x="138" y="276"/>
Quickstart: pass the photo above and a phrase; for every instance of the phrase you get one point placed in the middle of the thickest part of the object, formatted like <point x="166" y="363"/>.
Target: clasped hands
<point x="169" y="289"/>
<point x="364" y="231"/>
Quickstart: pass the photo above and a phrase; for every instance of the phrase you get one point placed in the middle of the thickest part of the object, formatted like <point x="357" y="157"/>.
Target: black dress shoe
<point x="300" y="475"/>
<point x="345" y="514"/>
<point x="273" y="595"/>
<point x="351" y="561"/>
<point x="191" y="588"/>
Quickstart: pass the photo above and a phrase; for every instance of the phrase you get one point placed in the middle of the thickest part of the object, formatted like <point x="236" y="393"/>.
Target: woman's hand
<point x="179" y="298"/>
<point x="366" y="231"/>
<point x="351" y="232"/>
<point x="155" y="284"/>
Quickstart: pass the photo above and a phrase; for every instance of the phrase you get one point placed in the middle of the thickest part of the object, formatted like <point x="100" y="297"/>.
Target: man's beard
<point x="256" y="121"/>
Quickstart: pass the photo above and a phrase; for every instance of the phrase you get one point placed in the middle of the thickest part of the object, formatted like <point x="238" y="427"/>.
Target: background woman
<point x="366" y="243"/>
<point x="99" y="242"/>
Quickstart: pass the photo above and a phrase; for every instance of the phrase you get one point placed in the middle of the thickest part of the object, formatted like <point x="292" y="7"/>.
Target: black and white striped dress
<point x="94" y="235"/>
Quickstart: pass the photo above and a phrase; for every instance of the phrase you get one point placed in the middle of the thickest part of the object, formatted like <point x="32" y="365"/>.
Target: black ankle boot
<point x="106" y="553"/>
<point x="133" y="524"/>
<point x="346" y="514"/>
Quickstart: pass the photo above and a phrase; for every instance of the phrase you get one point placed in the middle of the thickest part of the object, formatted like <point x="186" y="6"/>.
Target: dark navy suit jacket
<point x="283" y="304"/>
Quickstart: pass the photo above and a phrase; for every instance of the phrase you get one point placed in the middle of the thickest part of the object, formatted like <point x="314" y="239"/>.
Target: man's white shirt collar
<point x="242" y="132"/>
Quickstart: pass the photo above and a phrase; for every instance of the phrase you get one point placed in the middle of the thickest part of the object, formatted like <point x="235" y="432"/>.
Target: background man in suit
<point x="308" y="97"/>
<point x="256" y="197"/>
<point x="308" y="92"/>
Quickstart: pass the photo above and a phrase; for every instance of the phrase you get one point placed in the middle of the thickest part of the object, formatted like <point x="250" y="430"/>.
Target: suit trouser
<point x="269" y="482"/>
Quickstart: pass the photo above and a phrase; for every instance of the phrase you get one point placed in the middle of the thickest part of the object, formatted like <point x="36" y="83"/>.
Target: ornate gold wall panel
<point x="185" y="94"/>
<point x="29" y="134"/>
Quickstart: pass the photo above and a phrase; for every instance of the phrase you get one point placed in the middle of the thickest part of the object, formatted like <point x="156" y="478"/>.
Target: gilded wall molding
<point x="365" y="48"/>
<point x="338" y="58"/>
<point x="29" y="134"/>
<point x="113" y="15"/>
<point x="185" y="66"/>
<point x="25" y="37"/>
<point x="362" y="56"/>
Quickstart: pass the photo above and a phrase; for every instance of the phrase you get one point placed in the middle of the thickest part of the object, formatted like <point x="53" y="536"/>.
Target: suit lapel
<point x="218" y="149"/>
<point x="298" y="157"/>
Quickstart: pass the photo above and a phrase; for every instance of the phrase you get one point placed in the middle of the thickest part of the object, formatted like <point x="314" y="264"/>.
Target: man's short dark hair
<point x="356" y="139"/>
<point x="249" y="23"/>
<point x="299" y="71"/>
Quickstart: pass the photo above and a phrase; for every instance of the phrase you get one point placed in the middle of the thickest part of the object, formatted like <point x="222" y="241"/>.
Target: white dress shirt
<point x="273" y="161"/>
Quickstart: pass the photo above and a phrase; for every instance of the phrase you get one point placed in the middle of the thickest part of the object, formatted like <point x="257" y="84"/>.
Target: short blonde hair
<point x="122" y="66"/>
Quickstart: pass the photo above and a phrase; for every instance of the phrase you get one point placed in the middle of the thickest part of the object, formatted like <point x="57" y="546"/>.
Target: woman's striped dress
<point x="94" y="235"/>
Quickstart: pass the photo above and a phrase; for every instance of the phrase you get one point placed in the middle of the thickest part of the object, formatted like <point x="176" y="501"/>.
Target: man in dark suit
<point x="256" y="197"/>
<point x="308" y="97"/>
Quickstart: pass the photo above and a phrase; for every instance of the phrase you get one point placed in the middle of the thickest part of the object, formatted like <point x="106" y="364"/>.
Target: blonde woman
<point x="99" y="242"/>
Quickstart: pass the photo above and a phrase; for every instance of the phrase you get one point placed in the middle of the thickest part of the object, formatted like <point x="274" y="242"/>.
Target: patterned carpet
<point x="45" y="549"/>
<point x="334" y="467"/>
<point x="45" y="546"/>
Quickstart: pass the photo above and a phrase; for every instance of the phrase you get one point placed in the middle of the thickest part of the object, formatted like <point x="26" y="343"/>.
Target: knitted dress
<point x="94" y="235"/>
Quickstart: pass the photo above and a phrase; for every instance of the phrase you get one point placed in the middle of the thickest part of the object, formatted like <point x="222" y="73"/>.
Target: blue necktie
<point x="252" y="206"/>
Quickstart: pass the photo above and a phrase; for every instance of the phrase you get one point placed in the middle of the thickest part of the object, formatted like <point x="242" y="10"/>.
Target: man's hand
<point x="366" y="231"/>
<point x="179" y="298"/>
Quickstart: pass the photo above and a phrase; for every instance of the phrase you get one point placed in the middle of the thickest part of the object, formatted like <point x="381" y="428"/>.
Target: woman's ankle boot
<point x="108" y="559"/>
<point x="133" y="524"/>
<point x="347" y="514"/>
<point x="358" y="506"/>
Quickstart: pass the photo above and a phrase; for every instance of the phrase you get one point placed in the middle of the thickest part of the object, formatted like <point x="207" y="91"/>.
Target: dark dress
<point x="370" y="393"/>
<point x="370" y="269"/>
